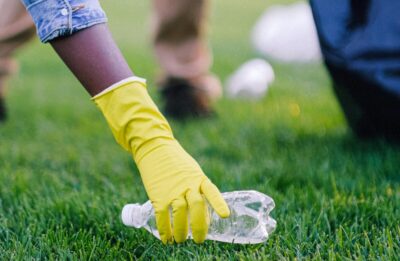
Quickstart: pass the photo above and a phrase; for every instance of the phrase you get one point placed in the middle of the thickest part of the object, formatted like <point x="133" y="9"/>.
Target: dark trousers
<point x="370" y="110"/>
<point x="360" y="42"/>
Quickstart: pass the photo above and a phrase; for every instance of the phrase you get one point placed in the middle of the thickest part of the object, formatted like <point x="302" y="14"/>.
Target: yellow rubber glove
<point x="172" y="178"/>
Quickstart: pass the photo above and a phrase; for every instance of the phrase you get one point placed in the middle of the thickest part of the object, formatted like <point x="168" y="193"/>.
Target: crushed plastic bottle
<point x="249" y="222"/>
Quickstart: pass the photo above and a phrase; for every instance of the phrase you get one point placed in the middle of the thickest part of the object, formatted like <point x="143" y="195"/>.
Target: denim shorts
<point x="56" y="18"/>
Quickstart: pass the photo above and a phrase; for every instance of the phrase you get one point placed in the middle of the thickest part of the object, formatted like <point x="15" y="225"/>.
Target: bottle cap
<point x="129" y="215"/>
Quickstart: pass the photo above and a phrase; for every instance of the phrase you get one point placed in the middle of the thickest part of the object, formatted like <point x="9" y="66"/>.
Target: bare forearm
<point x="93" y="57"/>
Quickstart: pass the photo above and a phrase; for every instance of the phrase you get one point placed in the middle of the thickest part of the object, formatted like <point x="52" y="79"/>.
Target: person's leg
<point x="370" y="110"/>
<point x="16" y="28"/>
<point x="363" y="59"/>
<point x="181" y="49"/>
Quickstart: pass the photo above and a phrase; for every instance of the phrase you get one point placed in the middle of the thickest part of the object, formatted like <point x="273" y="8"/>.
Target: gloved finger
<point x="199" y="218"/>
<point x="180" y="219"/>
<point x="164" y="225"/>
<point x="215" y="198"/>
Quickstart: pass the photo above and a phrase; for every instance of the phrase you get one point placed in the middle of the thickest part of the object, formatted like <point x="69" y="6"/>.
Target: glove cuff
<point x="120" y="84"/>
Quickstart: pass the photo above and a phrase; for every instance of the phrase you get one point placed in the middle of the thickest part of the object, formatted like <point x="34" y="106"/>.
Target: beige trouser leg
<point x="180" y="44"/>
<point x="16" y="28"/>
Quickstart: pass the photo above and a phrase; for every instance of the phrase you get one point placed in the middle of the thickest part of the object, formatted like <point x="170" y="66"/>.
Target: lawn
<point x="63" y="179"/>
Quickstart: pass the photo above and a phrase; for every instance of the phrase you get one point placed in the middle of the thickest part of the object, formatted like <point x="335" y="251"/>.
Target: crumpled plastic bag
<point x="287" y="33"/>
<point x="251" y="80"/>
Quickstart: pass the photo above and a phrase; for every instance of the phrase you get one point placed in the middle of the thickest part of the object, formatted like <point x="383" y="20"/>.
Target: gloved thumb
<point x="215" y="198"/>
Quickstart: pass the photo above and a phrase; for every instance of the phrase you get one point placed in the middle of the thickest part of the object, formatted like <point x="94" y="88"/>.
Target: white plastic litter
<point x="287" y="33"/>
<point x="251" y="80"/>
<point x="249" y="222"/>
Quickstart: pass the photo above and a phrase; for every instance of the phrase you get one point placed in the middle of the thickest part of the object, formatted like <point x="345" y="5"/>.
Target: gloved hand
<point x="172" y="178"/>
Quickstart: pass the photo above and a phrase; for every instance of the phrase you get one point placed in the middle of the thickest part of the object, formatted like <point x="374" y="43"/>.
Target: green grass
<point x="63" y="179"/>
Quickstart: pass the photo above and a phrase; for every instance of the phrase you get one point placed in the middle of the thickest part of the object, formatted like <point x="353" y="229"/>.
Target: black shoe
<point x="182" y="100"/>
<point x="3" y="110"/>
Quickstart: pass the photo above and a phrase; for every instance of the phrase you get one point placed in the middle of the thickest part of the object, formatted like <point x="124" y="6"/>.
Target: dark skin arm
<point x="93" y="57"/>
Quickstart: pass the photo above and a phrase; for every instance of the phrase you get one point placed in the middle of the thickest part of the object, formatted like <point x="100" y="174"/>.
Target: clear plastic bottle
<point x="249" y="222"/>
